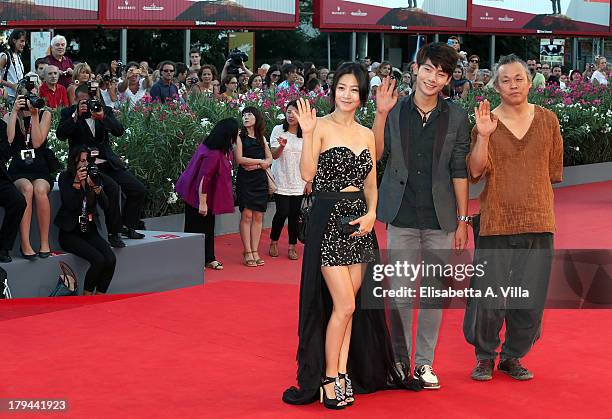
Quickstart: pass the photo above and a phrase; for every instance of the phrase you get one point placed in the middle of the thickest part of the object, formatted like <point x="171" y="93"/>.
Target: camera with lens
<point x="92" y="168"/>
<point x="28" y="84"/>
<point x="119" y="70"/>
<point x="237" y="58"/>
<point x="93" y="104"/>
<point x="107" y="78"/>
<point x="193" y="80"/>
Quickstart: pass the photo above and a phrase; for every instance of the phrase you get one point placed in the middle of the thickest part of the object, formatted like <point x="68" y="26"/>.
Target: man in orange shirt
<point x="518" y="149"/>
<point x="53" y="93"/>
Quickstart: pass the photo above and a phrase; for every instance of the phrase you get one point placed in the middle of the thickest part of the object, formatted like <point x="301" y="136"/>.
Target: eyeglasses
<point x="167" y="71"/>
<point x="474" y="61"/>
<point x="275" y="75"/>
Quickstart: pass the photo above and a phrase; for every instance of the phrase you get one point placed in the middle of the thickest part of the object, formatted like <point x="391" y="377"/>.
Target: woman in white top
<point x="11" y="67"/>
<point x="286" y="144"/>
<point x="601" y="75"/>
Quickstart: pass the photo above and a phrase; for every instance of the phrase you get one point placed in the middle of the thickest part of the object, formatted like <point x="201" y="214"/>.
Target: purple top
<point x="214" y="169"/>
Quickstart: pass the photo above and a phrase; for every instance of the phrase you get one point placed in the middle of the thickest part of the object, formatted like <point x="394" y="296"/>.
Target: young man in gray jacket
<point x="423" y="197"/>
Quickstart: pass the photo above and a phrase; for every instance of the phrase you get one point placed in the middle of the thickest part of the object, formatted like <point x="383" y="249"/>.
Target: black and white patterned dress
<point x="338" y="169"/>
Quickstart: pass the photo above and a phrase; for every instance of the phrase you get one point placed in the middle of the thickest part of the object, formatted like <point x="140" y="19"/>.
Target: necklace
<point x="424" y="114"/>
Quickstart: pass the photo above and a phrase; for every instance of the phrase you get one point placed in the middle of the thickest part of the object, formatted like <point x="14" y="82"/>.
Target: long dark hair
<point x="272" y="69"/>
<point x="73" y="155"/>
<point x="361" y="74"/>
<point x="14" y="37"/>
<point x="223" y="135"/>
<point x="286" y="124"/>
<point x="260" y="125"/>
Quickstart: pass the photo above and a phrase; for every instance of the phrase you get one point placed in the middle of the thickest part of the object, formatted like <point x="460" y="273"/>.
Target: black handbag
<point x="67" y="285"/>
<point x="303" y="218"/>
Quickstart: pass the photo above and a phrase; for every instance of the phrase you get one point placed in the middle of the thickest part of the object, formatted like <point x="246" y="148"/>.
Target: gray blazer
<point x="452" y="143"/>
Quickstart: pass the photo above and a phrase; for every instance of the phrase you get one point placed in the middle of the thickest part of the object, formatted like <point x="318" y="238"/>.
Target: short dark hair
<point x="288" y="68"/>
<point x="441" y="55"/>
<point x="165" y="63"/>
<point x="40" y="61"/>
<point x="312" y="83"/>
<point x="132" y="64"/>
<point x="180" y="68"/>
<point x="361" y="74"/>
<point x="82" y="88"/>
<point x="194" y="51"/>
<point x="557" y="65"/>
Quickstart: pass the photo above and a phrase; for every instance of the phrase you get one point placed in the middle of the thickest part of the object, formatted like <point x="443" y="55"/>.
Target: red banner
<point x="42" y="10"/>
<point x="425" y="15"/>
<point x="556" y="16"/>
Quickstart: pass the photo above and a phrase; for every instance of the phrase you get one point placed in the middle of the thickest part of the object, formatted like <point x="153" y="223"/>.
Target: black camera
<point x="29" y="84"/>
<point x="237" y="57"/>
<point x="107" y="78"/>
<point x="93" y="104"/>
<point x="193" y="80"/>
<point x="92" y="168"/>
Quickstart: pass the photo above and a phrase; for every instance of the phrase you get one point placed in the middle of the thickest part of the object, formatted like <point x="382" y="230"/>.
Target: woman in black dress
<point x="253" y="156"/>
<point x="27" y="130"/>
<point x="336" y="308"/>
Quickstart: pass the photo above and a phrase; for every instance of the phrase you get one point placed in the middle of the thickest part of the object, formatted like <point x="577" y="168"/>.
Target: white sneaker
<point x="426" y="375"/>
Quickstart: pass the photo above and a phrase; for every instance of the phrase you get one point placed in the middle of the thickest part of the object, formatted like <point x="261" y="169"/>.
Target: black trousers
<point x="14" y="205"/>
<point x="115" y="182"/>
<point x="196" y="223"/>
<point x="94" y="249"/>
<point x="286" y="207"/>
<point x="556" y="4"/>
<point x="512" y="262"/>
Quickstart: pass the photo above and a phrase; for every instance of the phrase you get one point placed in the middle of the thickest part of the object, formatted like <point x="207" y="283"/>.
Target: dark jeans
<point x="286" y="207"/>
<point x="14" y="205"/>
<point x="520" y="260"/>
<point x="94" y="249"/>
<point x="115" y="182"/>
<point x="196" y="223"/>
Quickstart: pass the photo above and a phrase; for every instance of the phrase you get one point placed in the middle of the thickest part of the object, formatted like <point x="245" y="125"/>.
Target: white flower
<point x="577" y="148"/>
<point x="241" y="108"/>
<point x="280" y="116"/>
<point x="587" y="128"/>
<point x="128" y="131"/>
<point x="172" y="198"/>
<point x="204" y="122"/>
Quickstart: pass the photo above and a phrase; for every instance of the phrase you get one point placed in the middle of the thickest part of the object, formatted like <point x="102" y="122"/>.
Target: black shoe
<point x="336" y="403"/>
<point x="28" y="257"/>
<point x="133" y="234"/>
<point x="115" y="241"/>
<point x="44" y="255"/>
<point x="5" y="257"/>
<point x="483" y="370"/>
<point x="513" y="367"/>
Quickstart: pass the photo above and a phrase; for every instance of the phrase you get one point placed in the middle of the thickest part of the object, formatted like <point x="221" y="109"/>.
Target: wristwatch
<point x="465" y="218"/>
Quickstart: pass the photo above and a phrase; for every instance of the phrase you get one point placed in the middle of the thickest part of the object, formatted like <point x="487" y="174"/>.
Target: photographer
<point x="134" y="86"/>
<point x="27" y="130"/>
<point x="89" y="123"/>
<point x="235" y="63"/>
<point x="81" y="190"/>
<point x="107" y="85"/>
<point x="11" y="200"/>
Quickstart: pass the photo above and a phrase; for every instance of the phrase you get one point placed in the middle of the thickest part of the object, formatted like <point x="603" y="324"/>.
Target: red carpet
<point x="227" y="349"/>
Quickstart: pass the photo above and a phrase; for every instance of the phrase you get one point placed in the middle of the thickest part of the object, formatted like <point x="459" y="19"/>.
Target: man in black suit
<point x="81" y="127"/>
<point x="412" y="4"/>
<point x="556" y="4"/>
<point x="11" y="200"/>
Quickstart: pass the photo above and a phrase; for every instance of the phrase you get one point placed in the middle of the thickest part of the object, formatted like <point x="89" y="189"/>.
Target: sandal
<point x="215" y="265"/>
<point x="248" y="262"/>
<point x="259" y="261"/>
<point x="273" y="249"/>
<point x="293" y="254"/>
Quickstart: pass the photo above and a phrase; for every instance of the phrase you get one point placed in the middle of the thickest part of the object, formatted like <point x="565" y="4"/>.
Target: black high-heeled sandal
<point x="332" y="403"/>
<point x="349" y="396"/>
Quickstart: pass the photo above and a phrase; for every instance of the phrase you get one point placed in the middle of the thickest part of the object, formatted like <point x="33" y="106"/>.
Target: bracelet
<point x="465" y="218"/>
